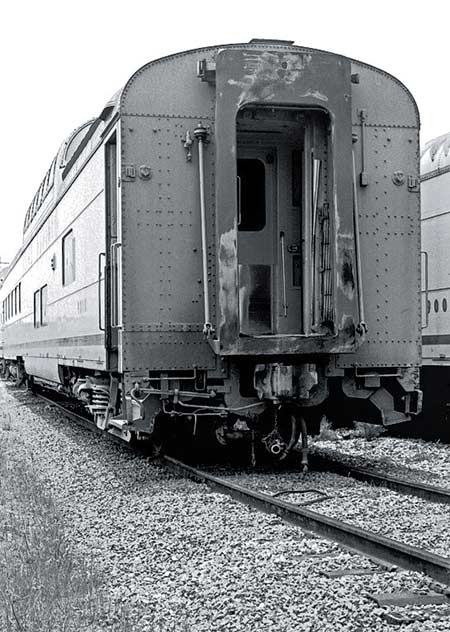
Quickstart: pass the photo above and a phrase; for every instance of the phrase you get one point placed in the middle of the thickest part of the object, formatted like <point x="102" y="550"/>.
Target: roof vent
<point x="260" y="40"/>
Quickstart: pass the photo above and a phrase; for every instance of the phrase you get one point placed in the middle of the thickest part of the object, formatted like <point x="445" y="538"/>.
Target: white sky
<point x="61" y="61"/>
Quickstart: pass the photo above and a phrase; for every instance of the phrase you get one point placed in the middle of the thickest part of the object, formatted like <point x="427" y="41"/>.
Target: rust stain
<point x="347" y="335"/>
<point x="348" y="280"/>
<point x="228" y="298"/>
<point x="348" y="328"/>
<point x="264" y="71"/>
<point x="346" y="276"/>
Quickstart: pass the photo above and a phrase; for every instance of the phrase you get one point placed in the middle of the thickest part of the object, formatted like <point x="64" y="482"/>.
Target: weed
<point x="369" y="432"/>
<point x="326" y="431"/>
<point x="44" y="586"/>
<point x="5" y="422"/>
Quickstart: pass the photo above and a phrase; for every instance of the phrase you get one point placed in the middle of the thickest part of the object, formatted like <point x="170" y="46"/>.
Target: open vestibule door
<point x="283" y="244"/>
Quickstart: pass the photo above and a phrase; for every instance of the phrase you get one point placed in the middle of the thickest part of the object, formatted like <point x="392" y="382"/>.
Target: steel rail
<point x="372" y="545"/>
<point x="83" y="421"/>
<point x="365" y="542"/>
<point x="91" y="426"/>
<point x="427" y="492"/>
<point x="431" y="493"/>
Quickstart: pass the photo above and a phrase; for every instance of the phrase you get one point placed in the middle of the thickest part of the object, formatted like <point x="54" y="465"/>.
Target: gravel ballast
<point x="178" y="557"/>
<point x="417" y="459"/>
<point x="404" y="518"/>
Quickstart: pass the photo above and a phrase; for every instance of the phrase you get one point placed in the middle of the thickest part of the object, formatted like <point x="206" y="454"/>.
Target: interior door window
<point x="251" y="191"/>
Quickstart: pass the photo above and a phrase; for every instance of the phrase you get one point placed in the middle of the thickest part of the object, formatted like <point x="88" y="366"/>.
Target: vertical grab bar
<point x="114" y="292"/>
<point x="427" y="316"/>
<point x="239" y="200"/>
<point x="306" y="229"/>
<point x="99" y="289"/>
<point x="201" y="134"/>
<point x="363" y="177"/>
<point x="283" y="273"/>
<point x="316" y="173"/>
<point x="362" y="324"/>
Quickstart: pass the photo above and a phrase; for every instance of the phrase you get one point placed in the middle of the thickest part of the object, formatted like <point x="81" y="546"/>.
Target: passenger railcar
<point x="233" y="242"/>
<point x="2" y="276"/>
<point x="435" y="188"/>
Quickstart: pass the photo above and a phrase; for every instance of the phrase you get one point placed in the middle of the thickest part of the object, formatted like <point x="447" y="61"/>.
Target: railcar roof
<point x="59" y="167"/>
<point x="435" y="156"/>
<point x="72" y="145"/>
<point x="65" y="155"/>
<point x="256" y="43"/>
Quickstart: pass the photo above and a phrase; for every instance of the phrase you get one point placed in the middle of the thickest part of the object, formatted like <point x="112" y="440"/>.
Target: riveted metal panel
<point x="162" y="286"/>
<point x="165" y="351"/>
<point x="387" y="151"/>
<point x="169" y="87"/>
<point x="387" y="100"/>
<point x="166" y="96"/>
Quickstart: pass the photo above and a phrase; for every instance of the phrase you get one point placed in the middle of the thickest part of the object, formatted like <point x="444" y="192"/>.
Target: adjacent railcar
<point x="435" y="187"/>
<point x="2" y="276"/>
<point x="233" y="243"/>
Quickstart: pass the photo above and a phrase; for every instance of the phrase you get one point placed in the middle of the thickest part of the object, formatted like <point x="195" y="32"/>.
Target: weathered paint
<point x="228" y="280"/>
<point x="346" y="273"/>
<point x="348" y="338"/>
<point x="302" y="80"/>
<point x="265" y="71"/>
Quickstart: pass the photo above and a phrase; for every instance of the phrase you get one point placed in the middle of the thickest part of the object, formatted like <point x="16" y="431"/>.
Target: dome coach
<point x="232" y="248"/>
<point x="435" y="191"/>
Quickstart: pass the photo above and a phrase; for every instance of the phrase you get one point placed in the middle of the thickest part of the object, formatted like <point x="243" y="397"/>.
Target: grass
<point x="369" y="432"/>
<point x="44" y="585"/>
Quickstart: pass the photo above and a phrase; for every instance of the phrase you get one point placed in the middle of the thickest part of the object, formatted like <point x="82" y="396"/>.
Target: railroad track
<point x="80" y="419"/>
<point x="431" y="493"/>
<point x="386" y="552"/>
<point x="327" y="567"/>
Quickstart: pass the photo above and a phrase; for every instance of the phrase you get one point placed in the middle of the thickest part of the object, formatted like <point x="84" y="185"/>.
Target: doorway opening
<point x="284" y="221"/>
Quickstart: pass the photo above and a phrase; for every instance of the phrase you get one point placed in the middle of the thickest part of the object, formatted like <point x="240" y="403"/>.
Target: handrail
<point x="239" y="200"/>
<point x="306" y="230"/>
<point x="316" y="174"/>
<point x="201" y="134"/>
<point x="99" y="290"/>
<point x="362" y="321"/>
<point x="283" y="272"/>
<point x="427" y="315"/>
<point x="114" y="277"/>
